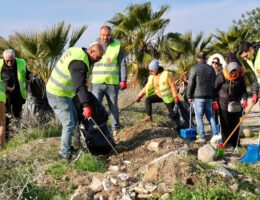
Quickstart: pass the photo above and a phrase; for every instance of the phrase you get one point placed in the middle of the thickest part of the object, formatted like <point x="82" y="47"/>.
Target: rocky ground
<point x="151" y="157"/>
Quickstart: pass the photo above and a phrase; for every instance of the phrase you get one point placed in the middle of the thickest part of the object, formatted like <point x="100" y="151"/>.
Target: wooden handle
<point x="241" y="120"/>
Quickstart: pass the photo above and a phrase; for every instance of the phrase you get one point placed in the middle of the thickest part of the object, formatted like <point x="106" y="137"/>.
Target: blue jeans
<point x="66" y="113"/>
<point x="111" y="94"/>
<point x="201" y="107"/>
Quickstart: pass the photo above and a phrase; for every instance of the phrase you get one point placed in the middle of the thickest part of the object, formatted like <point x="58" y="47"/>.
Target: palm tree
<point x="41" y="50"/>
<point x="179" y="50"/>
<point x="139" y="30"/>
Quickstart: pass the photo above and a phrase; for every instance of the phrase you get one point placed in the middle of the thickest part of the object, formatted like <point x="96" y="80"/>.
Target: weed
<point x="89" y="163"/>
<point x="58" y="170"/>
<point x="249" y="169"/>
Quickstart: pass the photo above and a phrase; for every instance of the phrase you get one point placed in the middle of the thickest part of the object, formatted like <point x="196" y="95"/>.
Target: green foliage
<point x="57" y="170"/>
<point x="250" y="21"/>
<point x="87" y="162"/>
<point x="249" y="169"/>
<point x="217" y="193"/>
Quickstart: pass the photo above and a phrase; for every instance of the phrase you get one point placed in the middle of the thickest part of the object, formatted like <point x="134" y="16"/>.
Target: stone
<point x="234" y="187"/>
<point x="126" y="197"/>
<point x="140" y="190"/>
<point x="107" y="185"/>
<point x="257" y="190"/>
<point x="144" y="196"/>
<point x="224" y="172"/>
<point x="155" y="146"/>
<point x="207" y="153"/>
<point x="114" y="181"/>
<point x="83" y="193"/>
<point x="248" y="132"/>
<point x="152" y="173"/>
<point x="96" y="185"/>
<point x="113" y="168"/>
<point x="150" y="187"/>
<point x="165" y="196"/>
<point x="162" y="188"/>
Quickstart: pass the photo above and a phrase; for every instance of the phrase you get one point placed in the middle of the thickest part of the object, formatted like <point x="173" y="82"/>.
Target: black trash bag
<point x="180" y="116"/>
<point x="89" y="136"/>
<point x="37" y="109"/>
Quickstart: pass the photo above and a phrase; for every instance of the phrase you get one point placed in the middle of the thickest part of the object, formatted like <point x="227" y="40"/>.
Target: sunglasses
<point x="215" y="63"/>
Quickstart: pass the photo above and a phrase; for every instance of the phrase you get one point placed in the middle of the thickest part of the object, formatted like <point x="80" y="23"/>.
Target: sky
<point x="184" y="15"/>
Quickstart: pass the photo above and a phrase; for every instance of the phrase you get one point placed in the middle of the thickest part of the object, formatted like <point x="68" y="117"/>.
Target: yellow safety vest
<point x="2" y="85"/>
<point x="60" y="83"/>
<point x="21" y="74"/>
<point x="106" y="71"/>
<point x="256" y="66"/>
<point x="164" y="87"/>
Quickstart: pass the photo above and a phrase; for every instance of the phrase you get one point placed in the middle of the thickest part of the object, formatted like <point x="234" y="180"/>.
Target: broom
<point x="222" y="146"/>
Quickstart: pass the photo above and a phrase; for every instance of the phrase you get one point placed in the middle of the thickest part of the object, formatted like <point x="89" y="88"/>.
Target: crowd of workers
<point x="211" y="87"/>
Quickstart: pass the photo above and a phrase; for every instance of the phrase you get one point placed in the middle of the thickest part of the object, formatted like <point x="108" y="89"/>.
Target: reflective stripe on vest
<point x="2" y="85"/>
<point x="256" y="65"/>
<point x="165" y="89"/>
<point x="60" y="83"/>
<point x="21" y="74"/>
<point x="106" y="71"/>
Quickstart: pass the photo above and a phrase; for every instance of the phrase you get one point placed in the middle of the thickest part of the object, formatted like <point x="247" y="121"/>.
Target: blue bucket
<point x="252" y="154"/>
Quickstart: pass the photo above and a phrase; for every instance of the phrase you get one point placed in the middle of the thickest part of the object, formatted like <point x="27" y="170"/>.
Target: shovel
<point x="123" y="109"/>
<point x="222" y="146"/>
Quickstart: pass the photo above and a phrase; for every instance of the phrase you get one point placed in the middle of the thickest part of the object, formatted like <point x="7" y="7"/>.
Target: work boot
<point x="148" y="118"/>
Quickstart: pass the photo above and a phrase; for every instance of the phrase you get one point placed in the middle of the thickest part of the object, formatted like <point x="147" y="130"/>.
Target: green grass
<point x="58" y="170"/>
<point x="250" y="169"/>
<point x="89" y="163"/>
<point x="217" y="193"/>
<point x="50" y="129"/>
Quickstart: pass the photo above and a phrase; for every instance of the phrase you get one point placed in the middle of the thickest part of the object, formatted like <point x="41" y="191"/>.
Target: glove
<point x="190" y="100"/>
<point x="138" y="98"/>
<point x="176" y="99"/>
<point x="215" y="105"/>
<point x="244" y="104"/>
<point x="123" y="85"/>
<point x="87" y="112"/>
<point x="254" y="98"/>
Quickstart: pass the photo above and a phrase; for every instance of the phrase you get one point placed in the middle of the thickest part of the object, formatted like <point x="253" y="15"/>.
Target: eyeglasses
<point x="215" y="63"/>
<point x="7" y="61"/>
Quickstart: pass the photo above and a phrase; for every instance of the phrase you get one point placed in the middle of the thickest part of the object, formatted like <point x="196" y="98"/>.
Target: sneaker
<point x="72" y="157"/>
<point x="200" y="140"/>
<point x="148" y="118"/>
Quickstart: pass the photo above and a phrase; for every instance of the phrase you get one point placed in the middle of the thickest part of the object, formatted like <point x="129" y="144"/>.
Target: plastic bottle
<point x="220" y="150"/>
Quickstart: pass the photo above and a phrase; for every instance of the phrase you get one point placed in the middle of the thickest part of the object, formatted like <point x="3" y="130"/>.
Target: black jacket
<point x="201" y="81"/>
<point x="236" y="93"/>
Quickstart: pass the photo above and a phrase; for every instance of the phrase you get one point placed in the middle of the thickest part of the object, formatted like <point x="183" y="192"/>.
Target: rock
<point x="257" y="190"/>
<point x="248" y="133"/>
<point x="126" y="197"/>
<point x="152" y="173"/>
<point x="162" y="188"/>
<point x="144" y="196"/>
<point x="114" y="181"/>
<point x="206" y="153"/>
<point x="224" y="172"/>
<point x="140" y="190"/>
<point x="83" y="193"/>
<point x="155" y="146"/>
<point x="96" y="185"/>
<point x="113" y="168"/>
<point x="123" y="177"/>
<point x="150" y="187"/>
<point x="234" y="187"/>
<point x="165" y="196"/>
<point x="106" y="185"/>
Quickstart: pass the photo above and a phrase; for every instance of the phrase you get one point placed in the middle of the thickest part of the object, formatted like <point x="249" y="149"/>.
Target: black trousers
<point x="14" y="104"/>
<point x="156" y="99"/>
<point x="228" y="122"/>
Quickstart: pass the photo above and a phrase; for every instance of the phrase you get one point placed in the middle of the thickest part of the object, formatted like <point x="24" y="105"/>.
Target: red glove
<point x="215" y="105"/>
<point x="254" y="98"/>
<point x="123" y="85"/>
<point x="138" y="98"/>
<point x="87" y="112"/>
<point x="244" y="104"/>
<point x="176" y="99"/>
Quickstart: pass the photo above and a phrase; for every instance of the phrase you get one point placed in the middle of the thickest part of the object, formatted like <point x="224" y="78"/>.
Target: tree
<point x="250" y="21"/>
<point x="42" y="49"/>
<point x="139" y="30"/>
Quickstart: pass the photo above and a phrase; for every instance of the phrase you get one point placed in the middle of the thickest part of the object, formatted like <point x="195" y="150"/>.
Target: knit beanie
<point x="154" y="65"/>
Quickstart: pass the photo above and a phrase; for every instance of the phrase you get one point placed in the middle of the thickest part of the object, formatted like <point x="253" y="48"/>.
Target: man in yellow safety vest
<point x="20" y="73"/>
<point x="68" y="79"/>
<point x="159" y="88"/>
<point x="109" y="74"/>
<point x="251" y="54"/>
